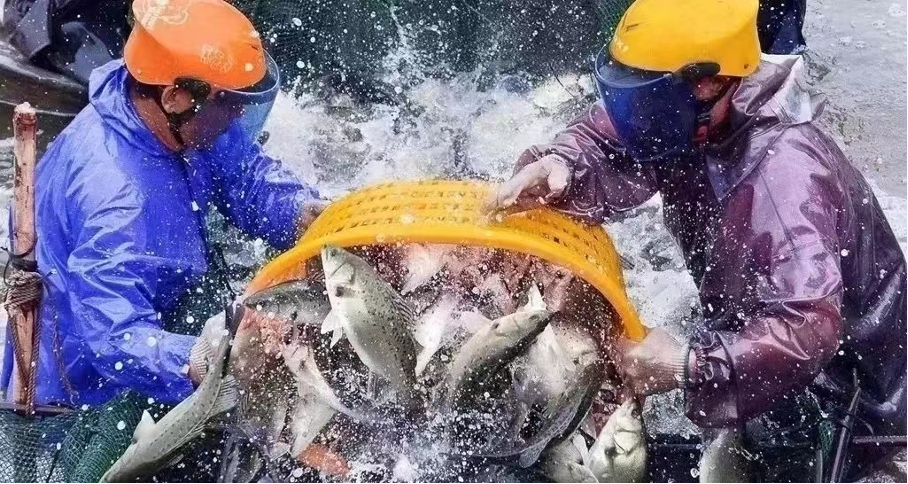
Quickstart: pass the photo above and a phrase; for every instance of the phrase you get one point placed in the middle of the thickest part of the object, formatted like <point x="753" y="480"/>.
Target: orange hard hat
<point x="205" y="40"/>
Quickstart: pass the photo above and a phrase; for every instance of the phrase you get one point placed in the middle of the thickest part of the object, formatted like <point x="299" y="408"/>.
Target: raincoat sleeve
<point x="257" y="194"/>
<point x="781" y="240"/>
<point x="110" y="278"/>
<point x="604" y="180"/>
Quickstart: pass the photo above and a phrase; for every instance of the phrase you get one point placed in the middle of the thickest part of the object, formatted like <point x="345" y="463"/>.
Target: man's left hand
<point x="654" y="365"/>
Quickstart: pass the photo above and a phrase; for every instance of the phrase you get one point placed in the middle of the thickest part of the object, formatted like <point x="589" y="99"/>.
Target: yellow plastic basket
<point x="449" y="212"/>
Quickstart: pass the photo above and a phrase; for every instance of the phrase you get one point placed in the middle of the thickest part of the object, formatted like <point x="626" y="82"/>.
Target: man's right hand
<point x="539" y="183"/>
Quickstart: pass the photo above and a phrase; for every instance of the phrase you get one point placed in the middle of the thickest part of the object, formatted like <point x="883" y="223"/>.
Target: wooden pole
<point x="23" y="243"/>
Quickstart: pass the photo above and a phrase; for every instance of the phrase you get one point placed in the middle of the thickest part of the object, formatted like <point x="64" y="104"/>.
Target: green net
<point x="72" y="447"/>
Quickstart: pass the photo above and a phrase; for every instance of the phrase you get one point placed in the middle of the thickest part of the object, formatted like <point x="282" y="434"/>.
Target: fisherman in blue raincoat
<point x="123" y="192"/>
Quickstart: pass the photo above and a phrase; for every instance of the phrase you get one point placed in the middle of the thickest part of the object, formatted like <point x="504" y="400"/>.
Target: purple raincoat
<point x="801" y="278"/>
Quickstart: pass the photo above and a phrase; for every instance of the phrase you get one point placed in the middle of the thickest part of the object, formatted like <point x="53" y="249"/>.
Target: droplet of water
<point x="297" y="473"/>
<point x="190" y="319"/>
<point x="152" y="341"/>
<point x="121" y="425"/>
<point x="118" y="365"/>
<point x="694" y="472"/>
<point x="127" y="336"/>
<point x="297" y="22"/>
<point x="150" y="400"/>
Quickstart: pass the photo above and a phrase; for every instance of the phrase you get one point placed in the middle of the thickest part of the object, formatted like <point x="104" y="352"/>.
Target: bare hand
<point x="539" y="183"/>
<point x="654" y="365"/>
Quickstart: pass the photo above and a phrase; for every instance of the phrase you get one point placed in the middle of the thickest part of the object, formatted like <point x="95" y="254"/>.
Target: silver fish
<point x="563" y="415"/>
<point x="724" y="458"/>
<point x="489" y="350"/>
<point x="564" y="462"/>
<point x="422" y="262"/>
<point x="375" y="318"/>
<point x="301" y="302"/>
<point x="156" y="445"/>
<point x="619" y="453"/>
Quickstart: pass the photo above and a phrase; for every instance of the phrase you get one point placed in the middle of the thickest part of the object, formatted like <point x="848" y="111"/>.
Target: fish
<point x="155" y="445"/>
<point x="488" y="351"/>
<point x="564" y="462"/>
<point x="724" y="458"/>
<point x="422" y="262"/>
<point x="301" y="302"/>
<point x="563" y="415"/>
<point x="431" y="328"/>
<point x="619" y="453"/>
<point x="311" y="383"/>
<point x="309" y="416"/>
<point x="375" y="318"/>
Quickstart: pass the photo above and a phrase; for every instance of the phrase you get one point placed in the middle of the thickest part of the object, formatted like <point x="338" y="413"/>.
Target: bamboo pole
<point x="23" y="243"/>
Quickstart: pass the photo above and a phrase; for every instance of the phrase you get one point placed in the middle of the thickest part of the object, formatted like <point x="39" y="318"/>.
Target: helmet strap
<point x="199" y="91"/>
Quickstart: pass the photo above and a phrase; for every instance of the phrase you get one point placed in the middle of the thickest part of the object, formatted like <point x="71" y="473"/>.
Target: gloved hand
<point x="203" y="350"/>
<point x="655" y="365"/>
<point x="539" y="183"/>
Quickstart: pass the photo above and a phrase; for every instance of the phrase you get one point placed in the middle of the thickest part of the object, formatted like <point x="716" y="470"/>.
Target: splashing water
<point x="465" y="129"/>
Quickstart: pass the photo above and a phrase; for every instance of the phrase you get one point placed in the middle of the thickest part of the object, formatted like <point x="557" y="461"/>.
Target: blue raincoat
<point x="121" y="238"/>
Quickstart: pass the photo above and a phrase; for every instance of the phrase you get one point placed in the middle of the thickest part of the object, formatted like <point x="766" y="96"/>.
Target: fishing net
<point x="311" y="38"/>
<point x="71" y="447"/>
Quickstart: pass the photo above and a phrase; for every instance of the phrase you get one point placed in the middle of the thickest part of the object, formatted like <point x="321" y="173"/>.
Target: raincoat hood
<point x="774" y="98"/>
<point x="108" y="94"/>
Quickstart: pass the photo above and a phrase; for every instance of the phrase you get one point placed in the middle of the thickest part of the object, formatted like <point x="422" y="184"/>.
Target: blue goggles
<point x="244" y="111"/>
<point x="655" y="114"/>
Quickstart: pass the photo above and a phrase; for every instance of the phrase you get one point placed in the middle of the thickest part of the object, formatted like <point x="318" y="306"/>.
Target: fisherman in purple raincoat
<point x="802" y="282"/>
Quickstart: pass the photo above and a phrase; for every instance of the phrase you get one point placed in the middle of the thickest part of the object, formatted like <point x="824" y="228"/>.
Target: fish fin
<point x="423" y="358"/>
<point x="312" y="376"/>
<point x="535" y="301"/>
<point x="227" y="396"/>
<point x="579" y="443"/>
<point x="516" y="424"/>
<point x="145" y="427"/>
<point x="581" y="473"/>
<point x="430" y="331"/>
<point x="422" y="265"/>
<point x="336" y="336"/>
<point x="279" y="449"/>
<point x="531" y="454"/>
<point x="332" y="322"/>
<point x="174" y="460"/>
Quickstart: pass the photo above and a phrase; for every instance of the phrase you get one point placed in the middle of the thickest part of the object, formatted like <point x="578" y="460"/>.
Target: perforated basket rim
<point x="499" y="235"/>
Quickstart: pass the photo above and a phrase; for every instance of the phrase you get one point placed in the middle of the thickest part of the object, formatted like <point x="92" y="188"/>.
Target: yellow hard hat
<point x="667" y="35"/>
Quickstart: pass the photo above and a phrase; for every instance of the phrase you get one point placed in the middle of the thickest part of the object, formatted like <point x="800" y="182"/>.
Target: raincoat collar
<point x="764" y="104"/>
<point x="108" y="93"/>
